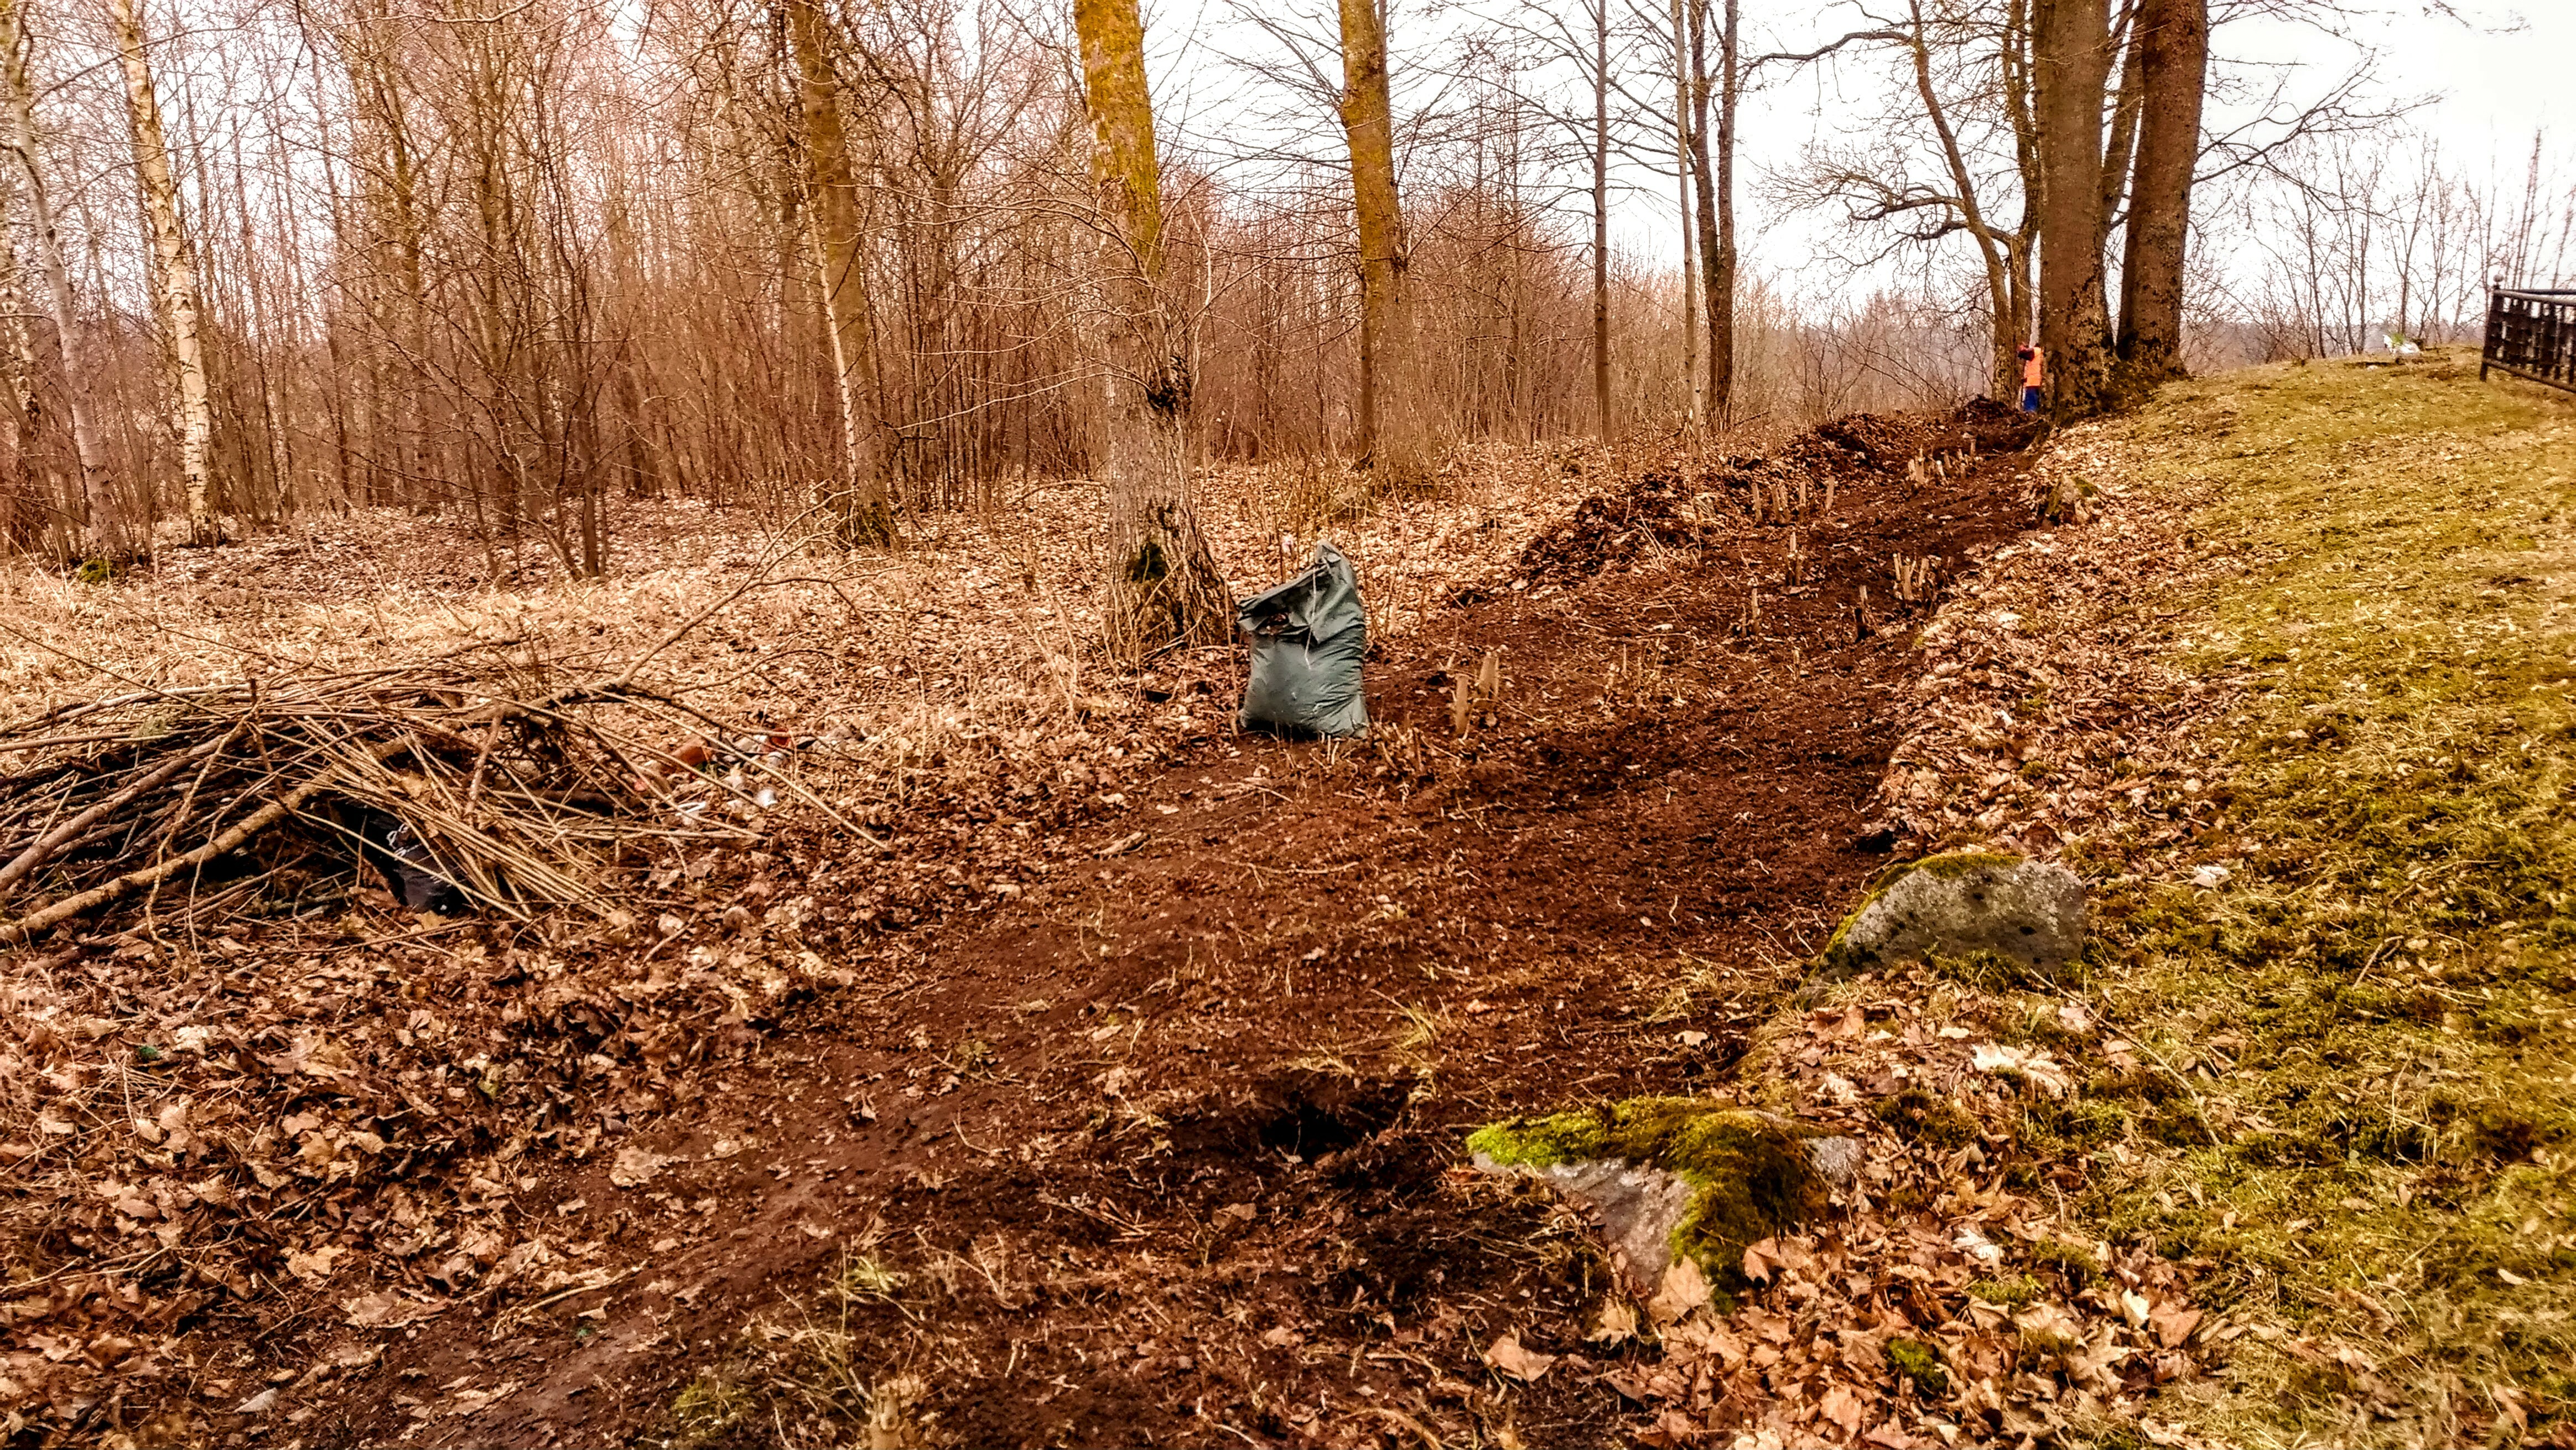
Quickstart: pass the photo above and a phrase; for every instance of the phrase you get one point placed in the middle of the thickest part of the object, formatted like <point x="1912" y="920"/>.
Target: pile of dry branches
<point x="500" y="781"/>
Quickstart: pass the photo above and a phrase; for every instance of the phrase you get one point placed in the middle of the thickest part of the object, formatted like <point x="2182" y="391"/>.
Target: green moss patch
<point x="1914" y="1360"/>
<point x="1748" y="1172"/>
<point x="2377" y="1009"/>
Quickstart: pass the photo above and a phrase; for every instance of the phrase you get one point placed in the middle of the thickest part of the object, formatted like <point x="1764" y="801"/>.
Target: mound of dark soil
<point x="1678" y="505"/>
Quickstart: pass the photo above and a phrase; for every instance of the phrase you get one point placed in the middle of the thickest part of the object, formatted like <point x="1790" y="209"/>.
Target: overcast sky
<point x="2501" y="70"/>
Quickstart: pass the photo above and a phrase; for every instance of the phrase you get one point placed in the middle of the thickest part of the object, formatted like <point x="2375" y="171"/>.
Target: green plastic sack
<point x="1307" y="637"/>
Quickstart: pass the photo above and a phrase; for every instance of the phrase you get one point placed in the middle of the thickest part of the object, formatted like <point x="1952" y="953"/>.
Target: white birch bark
<point x="191" y="399"/>
<point x="97" y="497"/>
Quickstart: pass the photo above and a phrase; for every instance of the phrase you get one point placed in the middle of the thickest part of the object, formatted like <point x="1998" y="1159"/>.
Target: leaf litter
<point x="372" y="1117"/>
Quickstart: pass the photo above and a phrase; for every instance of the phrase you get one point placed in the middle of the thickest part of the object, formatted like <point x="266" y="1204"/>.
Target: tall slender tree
<point x="1164" y="588"/>
<point x="1694" y="381"/>
<point x="1713" y="167"/>
<point x="1601" y="216"/>
<point x="861" y="507"/>
<point x="1391" y="414"/>
<point x="33" y="514"/>
<point x="103" y="529"/>
<point x="2172" y="46"/>
<point x="175" y="277"/>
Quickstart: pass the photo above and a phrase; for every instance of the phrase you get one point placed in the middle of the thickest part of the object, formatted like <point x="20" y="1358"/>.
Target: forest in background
<point x="521" y="263"/>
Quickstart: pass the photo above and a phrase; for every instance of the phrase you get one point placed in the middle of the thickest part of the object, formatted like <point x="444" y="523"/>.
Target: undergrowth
<point x="2373" y="1005"/>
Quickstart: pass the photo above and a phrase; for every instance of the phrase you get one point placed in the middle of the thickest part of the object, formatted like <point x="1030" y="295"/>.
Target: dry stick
<point x="44" y="741"/>
<point x="35" y="855"/>
<point x="12" y="933"/>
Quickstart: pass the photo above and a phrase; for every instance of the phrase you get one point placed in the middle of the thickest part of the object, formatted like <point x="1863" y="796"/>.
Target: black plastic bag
<point x="416" y="876"/>
<point x="1307" y="637"/>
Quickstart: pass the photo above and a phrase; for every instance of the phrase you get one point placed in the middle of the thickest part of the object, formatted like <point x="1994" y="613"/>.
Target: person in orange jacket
<point x="2034" y="374"/>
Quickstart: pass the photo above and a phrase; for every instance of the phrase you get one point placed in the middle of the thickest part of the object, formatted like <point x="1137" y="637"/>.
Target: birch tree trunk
<point x="1391" y="421"/>
<point x="98" y="522"/>
<point x="2173" y="64"/>
<point x="864" y="515"/>
<point x="2072" y="67"/>
<point x="175" y="268"/>
<point x="1164" y="588"/>
<point x="34" y="511"/>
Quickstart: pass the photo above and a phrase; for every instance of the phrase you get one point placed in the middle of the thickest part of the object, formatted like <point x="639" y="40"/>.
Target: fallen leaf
<point x="2038" y="1066"/>
<point x="635" y="1167"/>
<point x="1684" y="1289"/>
<point x="2174" y="1323"/>
<point x="1842" y="1407"/>
<point x="1615" y="1324"/>
<point x="1522" y="1364"/>
<point x="1977" y="1246"/>
<point x="314" y="1267"/>
<point x="382" y="1310"/>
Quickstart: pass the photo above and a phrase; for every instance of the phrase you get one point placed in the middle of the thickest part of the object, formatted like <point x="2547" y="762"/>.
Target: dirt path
<point x="1161" y="1151"/>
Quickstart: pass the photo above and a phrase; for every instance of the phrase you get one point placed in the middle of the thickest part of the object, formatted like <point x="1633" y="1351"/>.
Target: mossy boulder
<point x="1675" y="1177"/>
<point x="2029" y="913"/>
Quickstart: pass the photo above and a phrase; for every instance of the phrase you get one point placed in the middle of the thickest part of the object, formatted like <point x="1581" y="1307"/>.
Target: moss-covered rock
<point x="2029" y="913"/>
<point x="1675" y="1177"/>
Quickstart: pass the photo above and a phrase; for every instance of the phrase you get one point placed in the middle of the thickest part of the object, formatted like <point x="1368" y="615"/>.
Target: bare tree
<point x="2071" y="67"/>
<point x="1163" y="582"/>
<point x="1713" y="167"/>
<point x="840" y="268"/>
<point x="2172" y="57"/>
<point x="1391" y="417"/>
<point x="1683" y="149"/>
<point x="102" y="525"/>
<point x="175" y="266"/>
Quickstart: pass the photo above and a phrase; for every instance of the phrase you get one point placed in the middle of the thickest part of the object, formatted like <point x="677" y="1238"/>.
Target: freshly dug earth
<point x="1163" y="1145"/>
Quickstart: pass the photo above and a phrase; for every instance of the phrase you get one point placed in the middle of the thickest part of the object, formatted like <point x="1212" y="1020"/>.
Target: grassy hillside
<point x="2370" y="1117"/>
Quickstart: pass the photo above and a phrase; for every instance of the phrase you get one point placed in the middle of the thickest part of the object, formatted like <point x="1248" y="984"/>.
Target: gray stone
<point x="1638" y="1205"/>
<point x="2029" y="912"/>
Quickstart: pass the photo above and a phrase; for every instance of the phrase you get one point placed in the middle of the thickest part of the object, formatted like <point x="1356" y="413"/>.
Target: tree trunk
<point x="2173" y="51"/>
<point x="1391" y="422"/>
<point x="1164" y="588"/>
<point x="182" y="310"/>
<point x="2003" y="300"/>
<point x="104" y="530"/>
<point x="2072" y="64"/>
<point x="1721" y="258"/>
<point x="860" y="505"/>
<point x="35" y="513"/>
<point x="1693" y="380"/>
<point x="1713" y="167"/>
<point x="1601" y="216"/>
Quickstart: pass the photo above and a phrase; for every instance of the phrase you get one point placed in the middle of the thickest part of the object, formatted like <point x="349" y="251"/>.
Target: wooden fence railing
<point x="2531" y="335"/>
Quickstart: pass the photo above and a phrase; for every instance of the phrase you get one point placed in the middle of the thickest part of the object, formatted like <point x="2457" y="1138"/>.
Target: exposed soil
<point x="1165" y="1149"/>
